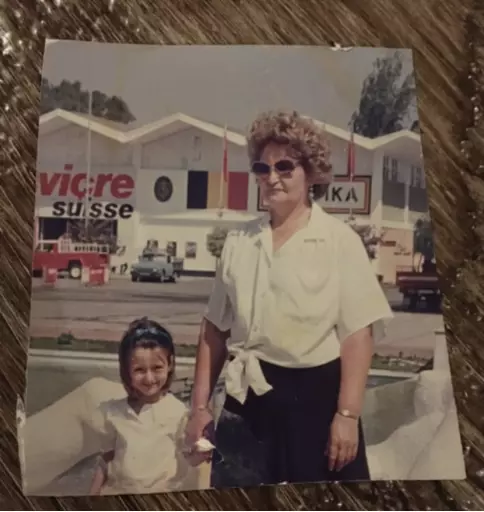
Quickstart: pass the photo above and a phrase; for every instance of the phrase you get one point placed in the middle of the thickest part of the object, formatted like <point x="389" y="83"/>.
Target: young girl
<point x="142" y="448"/>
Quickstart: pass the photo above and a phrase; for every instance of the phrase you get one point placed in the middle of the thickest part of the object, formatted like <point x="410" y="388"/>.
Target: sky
<point x="221" y="84"/>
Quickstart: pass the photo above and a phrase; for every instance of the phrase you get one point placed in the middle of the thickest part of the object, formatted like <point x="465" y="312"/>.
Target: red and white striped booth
<point x="49" y="275"/>
<point x="95" y="276"/>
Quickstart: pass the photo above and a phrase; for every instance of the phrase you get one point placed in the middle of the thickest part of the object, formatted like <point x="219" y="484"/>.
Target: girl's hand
<point x="343" y="442"/>
<point x="200" y="424"/>
<point x="98" y="480"/>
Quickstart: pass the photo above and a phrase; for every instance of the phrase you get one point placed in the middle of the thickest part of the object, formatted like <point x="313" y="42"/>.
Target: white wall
<point x="338" y="156"/>
<point x="69" y="146"/>
<point x="181" y="233"/>
<point x="416" y="425"/>
<point x="393" y="216"/>
<point x="145" y="197"/>
<point x="172" y="157"/>
<point x="127" y="236"/>
<point x="192" y="149"/>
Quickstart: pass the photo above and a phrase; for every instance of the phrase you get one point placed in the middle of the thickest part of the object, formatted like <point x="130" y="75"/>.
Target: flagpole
<point x="223" y="176"/>
<point x="351" y="162"/>
<point x="88" y="163"/>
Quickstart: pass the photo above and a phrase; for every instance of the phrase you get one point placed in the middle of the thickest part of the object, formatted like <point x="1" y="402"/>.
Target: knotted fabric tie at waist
<point x="244" y="371"/>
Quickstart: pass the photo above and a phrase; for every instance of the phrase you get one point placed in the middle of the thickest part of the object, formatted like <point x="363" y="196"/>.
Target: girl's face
<point x="148" y="372"/>
<point x="282" y="189"/>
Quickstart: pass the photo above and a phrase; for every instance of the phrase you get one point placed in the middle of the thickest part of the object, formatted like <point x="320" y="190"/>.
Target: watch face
<point x="163" y="189"/>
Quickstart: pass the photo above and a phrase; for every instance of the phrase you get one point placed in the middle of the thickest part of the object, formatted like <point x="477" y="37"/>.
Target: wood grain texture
<point x="445" y="36"/>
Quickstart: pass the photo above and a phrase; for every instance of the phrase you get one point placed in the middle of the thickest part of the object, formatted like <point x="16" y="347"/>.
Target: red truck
<point x="68" y="256"/>
<point x="421" y="284"/>
<point x="417" y="286"/>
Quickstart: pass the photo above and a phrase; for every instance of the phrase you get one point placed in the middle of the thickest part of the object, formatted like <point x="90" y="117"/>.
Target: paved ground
<point x="104" y="312"/>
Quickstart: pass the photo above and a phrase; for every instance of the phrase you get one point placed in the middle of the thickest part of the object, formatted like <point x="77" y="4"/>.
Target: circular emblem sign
<point x="163" y="189"/>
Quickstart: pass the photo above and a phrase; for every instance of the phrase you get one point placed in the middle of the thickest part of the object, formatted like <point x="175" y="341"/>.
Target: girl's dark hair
<point x="144" y="333"/>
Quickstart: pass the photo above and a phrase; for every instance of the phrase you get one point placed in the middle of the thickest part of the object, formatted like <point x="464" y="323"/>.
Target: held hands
<point x="200" y="425"/>
<point x="343" y="442"/>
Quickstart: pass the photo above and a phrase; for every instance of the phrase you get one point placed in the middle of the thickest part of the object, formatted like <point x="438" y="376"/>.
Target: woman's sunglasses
<point x="281" y="167"/>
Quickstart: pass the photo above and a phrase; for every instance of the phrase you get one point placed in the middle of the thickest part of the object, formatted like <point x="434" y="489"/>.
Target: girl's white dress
<point x="147" y="447"/>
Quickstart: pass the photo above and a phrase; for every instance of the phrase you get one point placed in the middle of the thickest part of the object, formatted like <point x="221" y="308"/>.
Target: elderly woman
<point x="296" y="307"/>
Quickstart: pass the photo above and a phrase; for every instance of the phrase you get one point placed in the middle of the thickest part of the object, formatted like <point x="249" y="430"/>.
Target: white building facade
<point x="141" y="181"/>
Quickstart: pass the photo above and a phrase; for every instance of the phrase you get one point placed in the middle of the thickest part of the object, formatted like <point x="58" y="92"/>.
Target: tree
<point x="423" y="241"/>
<point x="415" y="126"/>
<point x="368" y="236"/>
<point x="385" y="98"/>
<point x="216" y="241"/>
<point x="94" y="231"/>
<point x="71" y="97"/>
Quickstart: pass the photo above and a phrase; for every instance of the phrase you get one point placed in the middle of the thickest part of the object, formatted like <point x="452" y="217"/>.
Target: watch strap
<point x="347" y="414"/>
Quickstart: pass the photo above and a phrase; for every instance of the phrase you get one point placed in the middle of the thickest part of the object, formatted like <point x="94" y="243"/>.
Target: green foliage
<point x="385" y="98"/>
<point x="216" y="241"/>
<point x="94" y="231"/>
<point x="415" y="126"/>
<point x="368" y="236"/>
<point x="71" y="97"/>
<point x="423" y="242"/>
<point x="66" y="338"/>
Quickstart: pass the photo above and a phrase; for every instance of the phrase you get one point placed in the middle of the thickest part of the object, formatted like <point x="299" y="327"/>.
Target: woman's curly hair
<point x="307" y="142"/>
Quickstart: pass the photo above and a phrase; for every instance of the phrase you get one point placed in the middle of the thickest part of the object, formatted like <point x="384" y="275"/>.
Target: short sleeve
<point x="184" y="476"/>
<point x="362" y="302"/>
<point x="219" y="309"/>
<point x="106" y="428"/>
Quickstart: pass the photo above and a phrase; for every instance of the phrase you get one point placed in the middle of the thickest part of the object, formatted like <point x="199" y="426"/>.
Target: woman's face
<point x="148" y="372"/>
<point x="282" y="189"/>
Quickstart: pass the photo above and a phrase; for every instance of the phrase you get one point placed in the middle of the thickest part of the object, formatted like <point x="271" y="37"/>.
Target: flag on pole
<point x="88" y="161"/>
<point x="351" y="163"/>
<point x="224" y="176"/>
<point x="225" y="170"/>
<point x="351" y="157"/>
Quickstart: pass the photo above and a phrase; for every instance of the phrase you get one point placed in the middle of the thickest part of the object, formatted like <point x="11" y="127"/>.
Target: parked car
<point x="153" y="267"/>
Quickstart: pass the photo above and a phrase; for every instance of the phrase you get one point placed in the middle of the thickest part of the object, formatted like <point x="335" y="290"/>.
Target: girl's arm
<point x="98" y="481"/>
<point x="101" y="473"/>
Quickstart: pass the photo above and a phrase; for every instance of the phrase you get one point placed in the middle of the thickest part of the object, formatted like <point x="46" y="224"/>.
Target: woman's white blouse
<point x="293" y="307"/>
<point x="147" y="455"/>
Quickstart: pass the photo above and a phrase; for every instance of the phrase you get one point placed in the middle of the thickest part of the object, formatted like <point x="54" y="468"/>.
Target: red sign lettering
<point x="117" y="186"/>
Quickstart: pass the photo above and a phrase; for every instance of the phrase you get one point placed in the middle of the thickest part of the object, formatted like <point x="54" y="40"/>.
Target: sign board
<point x="111" y="195"/>
<point x="343" y="196"/>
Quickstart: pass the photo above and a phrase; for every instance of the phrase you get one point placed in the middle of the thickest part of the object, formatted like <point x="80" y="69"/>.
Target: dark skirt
<point x="282" y="435"/>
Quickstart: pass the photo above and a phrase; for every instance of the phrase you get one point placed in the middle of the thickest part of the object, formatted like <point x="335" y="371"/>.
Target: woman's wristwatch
<point x="347" y="414"/>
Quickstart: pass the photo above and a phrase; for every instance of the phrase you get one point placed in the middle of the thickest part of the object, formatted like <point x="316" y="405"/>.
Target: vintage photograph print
<point x="233" y="278"/>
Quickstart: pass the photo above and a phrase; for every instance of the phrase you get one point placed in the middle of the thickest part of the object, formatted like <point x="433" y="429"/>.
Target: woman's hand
<point x="200" y="424"/>
<point x="343" y="442"/>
